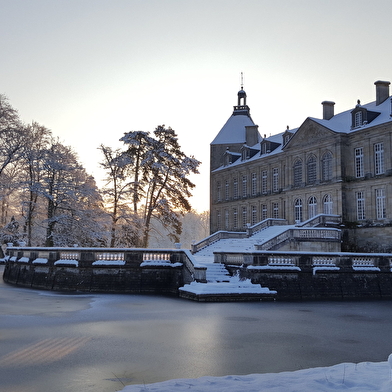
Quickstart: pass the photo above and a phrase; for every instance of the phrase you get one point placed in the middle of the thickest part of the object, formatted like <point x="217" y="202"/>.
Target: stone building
<point x="340" y="164"/>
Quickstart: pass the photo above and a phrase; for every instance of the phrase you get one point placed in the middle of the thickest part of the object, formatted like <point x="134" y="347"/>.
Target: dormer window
<point x="358" y="119"/>
<point x="361" y="116"/>
<point x="243" y="154"/>
<point x="287" y="136"/>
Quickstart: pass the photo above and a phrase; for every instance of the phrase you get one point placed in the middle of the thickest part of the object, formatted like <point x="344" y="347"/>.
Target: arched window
<point x="297" y="169"/>
<point x="311" y="170"/>
<point x="326" y="163"/>
<point x="312" y="207"/>
<point x="327" y="204"/>
<point x="298" y="210"/>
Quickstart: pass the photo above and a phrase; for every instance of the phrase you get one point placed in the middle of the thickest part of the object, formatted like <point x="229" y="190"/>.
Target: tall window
<point x="244" y="186"/>
<point x="379" y="158"/>
<point x="218" y="220"/>
<point x="254" y="215"/>
<point x="227" y="190"/>
<point x="235" y="218"/>
<point x="297" y="172"/>
<point x="218" y="191"/>
<point x="275" y="179"/>
<point x="359" y="162"/>
<point x="312" y="207"/>
<point x="244" y="217"/>
<point x="360" y="197"/>
<point x="298" y="210"/>
<point x="226" y="219"/>
<point x="264" y="188"/>
<point x="254" y="184"/>
<point x="380" y="203"/>
<point x="326" y="163"/>
<point x="327" y="203"/>
<point x="235" y="188"/>
<point x="275" y="210"/>
<point x="358" y="119"/>
<point x="264" y="212"/>
<point x="311" y="170"/>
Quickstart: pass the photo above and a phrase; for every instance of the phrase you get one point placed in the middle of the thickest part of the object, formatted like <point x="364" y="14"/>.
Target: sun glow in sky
<point x="91" y="70"/>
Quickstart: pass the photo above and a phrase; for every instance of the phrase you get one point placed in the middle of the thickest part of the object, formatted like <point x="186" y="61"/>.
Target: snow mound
<point x="361" y="377"/>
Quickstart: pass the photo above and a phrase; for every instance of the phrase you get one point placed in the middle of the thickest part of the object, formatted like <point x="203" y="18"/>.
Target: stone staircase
<point x="206" y="255"/>
<point x="220" y="285"/>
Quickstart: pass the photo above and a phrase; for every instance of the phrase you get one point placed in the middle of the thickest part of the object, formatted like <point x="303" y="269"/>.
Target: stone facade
<point x="340" y="164"/>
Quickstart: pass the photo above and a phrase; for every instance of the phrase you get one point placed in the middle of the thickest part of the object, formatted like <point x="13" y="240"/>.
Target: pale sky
<point x="91" y="70"/>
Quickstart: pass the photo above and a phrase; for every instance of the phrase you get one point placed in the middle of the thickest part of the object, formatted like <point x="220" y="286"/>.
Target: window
<point x="243" y="154"/>
<point x="379" y="158"/>
<point x="244" y="186"/>
<point x="235" y="218"/>
<point x="254" y="184"/>
<point x="297" y="172"/>
<point x="298" y="210"/>
<point x="275" y="210"/>
<point x="227" y="190"/>
<point x="275" y="179"/>
<point x="359" y="162"/>
<point x="218" y="220"/>
<point x="327" y="202"/>
<point x="227" y="219"/>
<point x="358" y="119"/>
<point x="380" y="204"/>
<point x="360" y="197"/>
<point x="244" y="217"/>
<point x="312" y="207"/>
<point x="235" y="188"/>
<point x="311" y="170"/>
<point x="264" y="212"/>
<point x="218" y="191"/>
<point x="326" y="163"/>
<point x="264" y="183"/>
<point x="254" y="215"/>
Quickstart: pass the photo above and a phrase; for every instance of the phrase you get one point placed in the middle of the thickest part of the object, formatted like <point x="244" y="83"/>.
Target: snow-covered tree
<point x="70" y="195"/>
<point x="38" y="139"/>
<point x="160" y="173"/>
<point x="12" y="141"/>
<point x="117" y="193"/>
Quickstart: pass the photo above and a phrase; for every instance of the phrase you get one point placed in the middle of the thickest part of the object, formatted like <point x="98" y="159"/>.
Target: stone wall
<point x="315" y="276"/>
<point x="137" y="271"/>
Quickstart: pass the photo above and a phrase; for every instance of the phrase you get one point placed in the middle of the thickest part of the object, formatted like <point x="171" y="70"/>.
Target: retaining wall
<point x="109" y="271"/>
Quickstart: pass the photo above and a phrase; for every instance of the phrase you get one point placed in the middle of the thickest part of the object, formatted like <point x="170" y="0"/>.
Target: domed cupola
<point x="241" y="96"/>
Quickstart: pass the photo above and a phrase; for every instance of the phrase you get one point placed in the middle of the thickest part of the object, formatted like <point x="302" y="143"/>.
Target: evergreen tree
<point x="160" y="175"/>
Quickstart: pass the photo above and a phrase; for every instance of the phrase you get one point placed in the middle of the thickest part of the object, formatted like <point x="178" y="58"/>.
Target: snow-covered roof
<point x="234" y="130"/>
<point x="342" y="122"/>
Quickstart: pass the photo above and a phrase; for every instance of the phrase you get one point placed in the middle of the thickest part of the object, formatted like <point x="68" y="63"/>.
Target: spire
<point x="242" y="107"/>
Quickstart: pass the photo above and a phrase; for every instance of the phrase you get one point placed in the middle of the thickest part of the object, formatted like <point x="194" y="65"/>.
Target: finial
<point x="242" y="81"/>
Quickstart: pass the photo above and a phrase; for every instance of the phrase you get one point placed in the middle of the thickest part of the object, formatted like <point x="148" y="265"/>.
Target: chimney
<point x="382" y="91"/>
<point x="251" y="135"/>
<point x="328" y="109"/>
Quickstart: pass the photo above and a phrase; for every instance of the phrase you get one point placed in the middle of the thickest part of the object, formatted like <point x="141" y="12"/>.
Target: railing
<point x="318" y="220"/>
<point x="219" y="235"/>
<point x="301" y="234"/>
<point x="321" y="220"/>
<point x="263" y="224"/>
<point x="354" y="262"/>
<point x="251" y="230"/>
<point x="108" y="257"/>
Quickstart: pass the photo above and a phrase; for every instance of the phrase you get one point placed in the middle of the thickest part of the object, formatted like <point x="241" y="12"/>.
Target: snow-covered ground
<point x="361" y="377"/>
